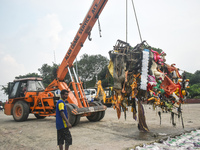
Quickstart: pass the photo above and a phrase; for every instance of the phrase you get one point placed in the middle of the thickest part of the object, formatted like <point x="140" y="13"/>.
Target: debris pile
<point x="141" y="74"/>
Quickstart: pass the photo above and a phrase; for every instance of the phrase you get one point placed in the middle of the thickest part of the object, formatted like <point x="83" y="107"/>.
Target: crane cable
<point x="135" y="18"/>
<point x="126" y="21"/>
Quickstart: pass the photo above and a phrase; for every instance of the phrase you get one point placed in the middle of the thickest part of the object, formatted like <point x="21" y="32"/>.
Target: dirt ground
<point x="107" y="134"/>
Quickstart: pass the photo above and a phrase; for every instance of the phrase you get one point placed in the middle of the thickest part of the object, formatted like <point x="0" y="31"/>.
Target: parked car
<point x="1" y="108"/>
<point x="90" y="94"/>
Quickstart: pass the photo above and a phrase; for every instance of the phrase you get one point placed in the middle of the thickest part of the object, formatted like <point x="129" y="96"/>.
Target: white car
<point x="90" y="94"/>
<point x="1" y="108"/>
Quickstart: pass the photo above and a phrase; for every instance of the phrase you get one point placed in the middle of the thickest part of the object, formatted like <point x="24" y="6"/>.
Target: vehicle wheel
<point x="95" y="116"/>
<point x="39" y="117"/>
<point x="78" y="117"/>
<point x="71" y="117"/>
<point x="102" y="112"/>
<point x="20" y="111"/>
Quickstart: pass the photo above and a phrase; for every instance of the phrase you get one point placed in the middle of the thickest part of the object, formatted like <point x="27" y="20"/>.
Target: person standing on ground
<point x="62" y="123"/>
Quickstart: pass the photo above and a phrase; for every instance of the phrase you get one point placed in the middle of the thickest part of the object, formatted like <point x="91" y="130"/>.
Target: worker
<point x="62" y="122"/>
<point x="24" y="90"/>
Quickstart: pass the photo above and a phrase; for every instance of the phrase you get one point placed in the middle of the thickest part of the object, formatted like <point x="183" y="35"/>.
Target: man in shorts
<point x="62" y="123"/>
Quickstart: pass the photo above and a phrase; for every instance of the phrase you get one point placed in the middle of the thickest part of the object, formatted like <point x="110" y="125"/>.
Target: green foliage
<point x="194" y="79"/>
<point x="194" y="84"/>
<point x="195" y="91"/>
<point x="48" y="73"/>
<point x="106" y="78"/>
<point x="88" y="66"/>
<point x="90" y="84"/>
<point x="188" y="75"/>
<point x="5" y="89"/>
<point x="28" y="75"/>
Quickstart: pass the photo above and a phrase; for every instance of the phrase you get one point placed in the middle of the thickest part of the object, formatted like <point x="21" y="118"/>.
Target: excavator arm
<point x="100" y="91"/>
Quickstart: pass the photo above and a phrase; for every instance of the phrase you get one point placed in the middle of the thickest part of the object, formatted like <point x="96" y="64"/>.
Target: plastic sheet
<point x="185" y="141"/>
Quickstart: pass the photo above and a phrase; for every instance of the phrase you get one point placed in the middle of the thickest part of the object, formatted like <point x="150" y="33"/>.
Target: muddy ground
<point x="107" y="134"/>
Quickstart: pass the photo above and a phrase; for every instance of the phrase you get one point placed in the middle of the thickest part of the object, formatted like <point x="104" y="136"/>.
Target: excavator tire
<point x="102" y="112"/>
<point x="71" y="117"/>
<point x="39" y="117"/>
<point x="95" y="116"/>
<point x="20" y="111"/>
<point x="78" y="117"/>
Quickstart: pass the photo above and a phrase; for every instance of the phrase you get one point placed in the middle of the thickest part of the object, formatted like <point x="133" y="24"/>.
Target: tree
<point x="194" y="90"/>
<point x="195" y="78"/>
<point x="188" y="75"/>
<point x="27" y="75"/>
<point x="88" y="66"/>
<point x="48" y="73"/>
<point x="106" y="78"/>
<point x="5" y="89"/>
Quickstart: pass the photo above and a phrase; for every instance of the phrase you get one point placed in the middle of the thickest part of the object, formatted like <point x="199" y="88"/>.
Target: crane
<point x="41" y="101"/>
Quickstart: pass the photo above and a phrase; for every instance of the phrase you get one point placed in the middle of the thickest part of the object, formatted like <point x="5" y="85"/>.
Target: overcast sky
<point x="35" y="32"/>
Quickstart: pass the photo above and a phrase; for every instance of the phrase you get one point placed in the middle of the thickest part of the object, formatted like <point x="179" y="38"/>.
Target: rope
<point x="137" y="21"/>
<point x="126" y="21"/>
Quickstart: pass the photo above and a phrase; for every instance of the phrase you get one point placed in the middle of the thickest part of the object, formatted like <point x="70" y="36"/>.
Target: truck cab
<point x="27" y="95"/>
<point x="20" y="87"/>
<point x="90" y="94"/>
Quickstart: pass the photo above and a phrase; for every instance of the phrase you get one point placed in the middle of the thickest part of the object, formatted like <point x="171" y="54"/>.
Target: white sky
<point x="32" y="30"/>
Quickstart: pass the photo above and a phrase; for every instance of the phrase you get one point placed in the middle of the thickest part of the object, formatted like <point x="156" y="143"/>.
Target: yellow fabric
<point x="65" y="124"/>
<point x="61" y="107"/>
<point x="111" y="67"/>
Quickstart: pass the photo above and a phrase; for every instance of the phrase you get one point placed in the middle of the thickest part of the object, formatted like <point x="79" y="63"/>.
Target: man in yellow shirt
<point x="62" y="123"/>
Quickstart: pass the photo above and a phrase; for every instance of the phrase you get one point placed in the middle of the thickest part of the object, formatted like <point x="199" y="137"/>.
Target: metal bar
<point x="70" y="74"/>
<point x="75" y="74"/>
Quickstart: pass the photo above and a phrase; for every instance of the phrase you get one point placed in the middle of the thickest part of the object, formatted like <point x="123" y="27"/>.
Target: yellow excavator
<point x="104" y="95"/>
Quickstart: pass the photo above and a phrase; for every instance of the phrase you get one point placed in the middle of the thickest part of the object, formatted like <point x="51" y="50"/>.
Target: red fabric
<point x="172" y="68"/>
<point x="150" y="86"/>
<point x="168" y="86"/>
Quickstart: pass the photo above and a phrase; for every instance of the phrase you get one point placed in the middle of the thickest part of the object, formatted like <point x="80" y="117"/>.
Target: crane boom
<point x="79" y="39"/>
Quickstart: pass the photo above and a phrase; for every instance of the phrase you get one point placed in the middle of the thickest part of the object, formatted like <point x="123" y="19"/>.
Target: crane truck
<point x="28" y="95"/>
